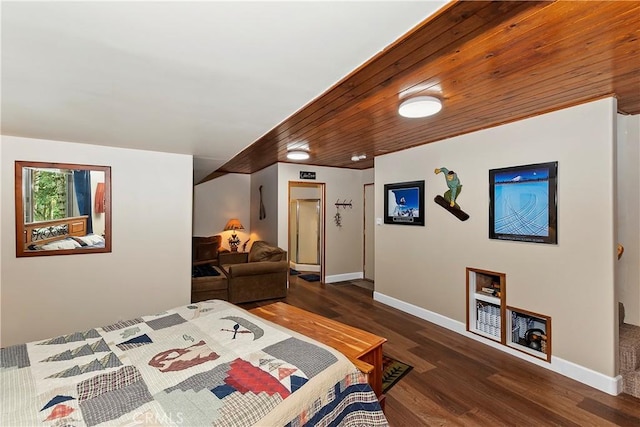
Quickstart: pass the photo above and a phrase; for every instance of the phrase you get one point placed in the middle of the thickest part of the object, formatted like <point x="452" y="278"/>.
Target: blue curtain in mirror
<point x="82" y="185"/>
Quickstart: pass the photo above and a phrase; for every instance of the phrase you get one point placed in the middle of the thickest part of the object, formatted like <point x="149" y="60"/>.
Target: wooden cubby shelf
<point x="486" y="293"/>
<point x="490" y="317"/>
<point x="529" y="332"/>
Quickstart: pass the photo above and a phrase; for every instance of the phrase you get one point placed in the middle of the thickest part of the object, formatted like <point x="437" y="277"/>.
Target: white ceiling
<point x="200" y="78"/>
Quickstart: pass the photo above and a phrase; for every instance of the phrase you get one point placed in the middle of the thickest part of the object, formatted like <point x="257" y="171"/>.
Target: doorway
<point x="305" y="234"/>
<point x="368" y="256"/>
<point x="306" y="227"/>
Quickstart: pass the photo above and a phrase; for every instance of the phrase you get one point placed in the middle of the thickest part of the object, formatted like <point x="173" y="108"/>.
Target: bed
<point x="67" y="233"/>
<point x="210" y="363"/>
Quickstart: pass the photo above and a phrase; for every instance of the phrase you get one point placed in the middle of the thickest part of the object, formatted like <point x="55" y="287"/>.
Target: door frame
<point x="316" y="202"/>
<point x="323" y="188"/>
<point x="364" y="229"/>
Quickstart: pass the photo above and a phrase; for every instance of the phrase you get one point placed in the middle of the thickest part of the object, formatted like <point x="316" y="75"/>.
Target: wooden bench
<point x="364" y="349"/>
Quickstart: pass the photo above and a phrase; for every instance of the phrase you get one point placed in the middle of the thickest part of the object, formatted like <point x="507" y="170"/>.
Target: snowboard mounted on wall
<point x="455" y="210"/>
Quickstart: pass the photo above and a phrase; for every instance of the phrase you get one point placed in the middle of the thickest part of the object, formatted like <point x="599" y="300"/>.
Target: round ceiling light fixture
<point x="420" y="106"/>
<point x="297" y="154"/>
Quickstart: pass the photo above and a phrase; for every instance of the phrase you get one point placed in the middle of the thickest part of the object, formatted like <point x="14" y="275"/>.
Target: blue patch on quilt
<point x="139" y="340"/>
<point x="135" y="342"/>
<point x="58" y="399"/>
<point x="297" y="382"/>
<point x="223" y="391"/>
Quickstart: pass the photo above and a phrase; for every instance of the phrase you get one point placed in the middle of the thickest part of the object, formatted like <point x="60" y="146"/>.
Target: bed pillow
<point x="82" y="242"/>
<point x="60" y="244"/>
<point x="89" y="239"/>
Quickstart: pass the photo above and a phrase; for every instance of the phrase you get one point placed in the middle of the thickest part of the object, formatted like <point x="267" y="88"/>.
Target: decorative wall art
<point x="263" y="211"/>
<point x="523" y="203"/>
<point x="448" y="201"/>
<point x="337" y="218"/>
<point x="404" y="203"/>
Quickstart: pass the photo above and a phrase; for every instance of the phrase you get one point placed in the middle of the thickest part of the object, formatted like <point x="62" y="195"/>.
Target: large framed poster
<point x="523" y="203"/>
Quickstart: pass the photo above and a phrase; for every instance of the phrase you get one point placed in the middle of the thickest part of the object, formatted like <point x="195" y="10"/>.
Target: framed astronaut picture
<point x="404" y="203"/>
<point x="523" y="203"/>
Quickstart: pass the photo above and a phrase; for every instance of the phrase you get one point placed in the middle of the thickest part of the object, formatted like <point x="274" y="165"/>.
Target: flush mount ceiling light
<point x="356" y="157"/>
<point x="297" y="154"/>
<point x="420" y="106"/>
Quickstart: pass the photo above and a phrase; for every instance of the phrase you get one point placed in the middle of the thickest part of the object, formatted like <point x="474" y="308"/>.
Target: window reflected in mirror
<point x="62" y="209"/>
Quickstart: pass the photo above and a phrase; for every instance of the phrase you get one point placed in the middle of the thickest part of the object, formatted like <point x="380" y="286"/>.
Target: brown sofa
<point x="260" y="274"/>
<point x="204" y="286"/>
<point x="209" y="287"/>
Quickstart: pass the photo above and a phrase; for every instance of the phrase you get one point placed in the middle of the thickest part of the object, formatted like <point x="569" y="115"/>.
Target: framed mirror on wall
<point x="62" y="209"/>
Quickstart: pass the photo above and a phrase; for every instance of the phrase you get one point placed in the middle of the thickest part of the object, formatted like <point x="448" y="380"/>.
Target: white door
<point x="369" y="232"/>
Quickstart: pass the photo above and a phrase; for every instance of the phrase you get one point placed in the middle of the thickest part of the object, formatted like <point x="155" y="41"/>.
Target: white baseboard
<point x="305" y="267"/>
<point x="420" y="312"/>
<point x="342" y="277"/>
<point x="576" y="372"/>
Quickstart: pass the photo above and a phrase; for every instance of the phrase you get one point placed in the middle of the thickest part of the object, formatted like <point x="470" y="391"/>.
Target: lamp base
<point x="234" y="242"/>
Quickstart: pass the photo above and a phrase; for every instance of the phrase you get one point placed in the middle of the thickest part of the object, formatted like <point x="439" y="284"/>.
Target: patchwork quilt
<point x="205" y="364"/>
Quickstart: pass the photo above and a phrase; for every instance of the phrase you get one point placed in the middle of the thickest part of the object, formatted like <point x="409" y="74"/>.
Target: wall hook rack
<point x="344" y="204"/>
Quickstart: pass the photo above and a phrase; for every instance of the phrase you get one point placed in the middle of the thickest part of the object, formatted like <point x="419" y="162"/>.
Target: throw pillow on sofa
<point x="262" y="251"/>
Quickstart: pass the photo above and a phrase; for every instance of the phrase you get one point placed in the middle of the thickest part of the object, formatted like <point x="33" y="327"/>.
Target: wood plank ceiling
<point x="489" y="62"/>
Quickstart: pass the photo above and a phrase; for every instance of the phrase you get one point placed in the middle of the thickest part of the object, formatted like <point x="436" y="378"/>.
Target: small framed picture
<point x="404" y="203"/>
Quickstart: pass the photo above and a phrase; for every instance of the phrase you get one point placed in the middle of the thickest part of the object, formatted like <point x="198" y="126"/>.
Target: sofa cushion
<point x="258" y="268"/>
<point x="262" y="251"/>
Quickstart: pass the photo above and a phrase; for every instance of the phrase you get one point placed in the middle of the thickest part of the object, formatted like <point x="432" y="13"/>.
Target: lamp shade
<point x="233" y="224"/>
<point x="420" y="106"/>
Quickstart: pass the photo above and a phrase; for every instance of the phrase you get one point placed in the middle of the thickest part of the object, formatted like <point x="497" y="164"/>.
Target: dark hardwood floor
<point x="459" y="381"/>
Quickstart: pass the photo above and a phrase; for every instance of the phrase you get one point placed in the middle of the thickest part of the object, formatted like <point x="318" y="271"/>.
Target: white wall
<point x="343" y="245"/>
<point x="368" y="176"/>
<point x="267" y="228"/>
<point x="217" y="201"/>
<point x="148" y="270"/>
<point x="628" y="204"/>
<point x="573" y="281"/>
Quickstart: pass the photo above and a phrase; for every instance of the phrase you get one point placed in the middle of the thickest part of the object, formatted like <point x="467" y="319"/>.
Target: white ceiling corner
<point x="203" y="78"/>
